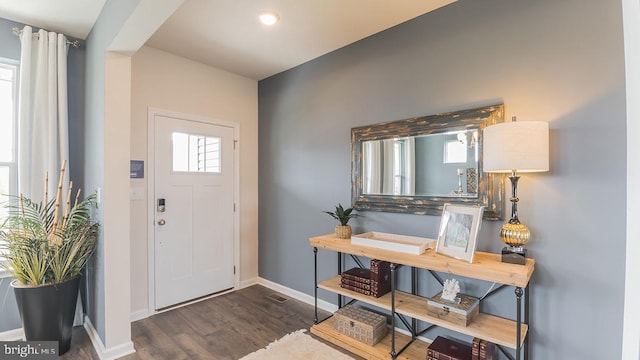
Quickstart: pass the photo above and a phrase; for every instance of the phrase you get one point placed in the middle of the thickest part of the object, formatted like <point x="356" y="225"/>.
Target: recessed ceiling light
<point x="269" y="17"/>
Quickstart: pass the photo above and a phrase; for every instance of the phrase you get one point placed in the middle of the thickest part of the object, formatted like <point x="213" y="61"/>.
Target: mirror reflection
<point x="444" y="165"/>
<point x="419" y="164"/>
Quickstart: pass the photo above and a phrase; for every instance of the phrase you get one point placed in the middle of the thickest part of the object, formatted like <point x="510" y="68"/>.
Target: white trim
<point x="12" y="165"/>
<point x="140" y="314"/>
<point x="114" y="352"/>
<point x="12" y="335"/>
<point x="152" y="113"/>
<point x="151" y="270"/>
<point x="248" y="282"/>
<point x="631" y="318"/>
<point x="237" y="207"/>
<point x="322" y="304"/>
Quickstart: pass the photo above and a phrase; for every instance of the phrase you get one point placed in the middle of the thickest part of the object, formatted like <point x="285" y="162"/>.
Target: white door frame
<point x="631" y="315"/>
<point x="152" y="113"/>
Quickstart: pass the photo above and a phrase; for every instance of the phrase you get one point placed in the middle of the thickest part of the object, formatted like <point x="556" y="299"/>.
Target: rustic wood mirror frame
<point x="490" y="186"/>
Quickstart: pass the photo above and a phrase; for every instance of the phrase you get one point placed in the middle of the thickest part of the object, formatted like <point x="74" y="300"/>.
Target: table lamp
<point x="515" y="147"/>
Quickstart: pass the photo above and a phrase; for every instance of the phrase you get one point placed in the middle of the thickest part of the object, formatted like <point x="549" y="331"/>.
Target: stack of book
<point x="357" y="279"/>
<point x="372" y="282"/>
<point x="483" y="350"/>
<point x="447" y="349"/>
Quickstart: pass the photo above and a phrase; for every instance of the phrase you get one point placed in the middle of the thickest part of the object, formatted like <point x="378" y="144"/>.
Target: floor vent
<point x="277" y="298"/>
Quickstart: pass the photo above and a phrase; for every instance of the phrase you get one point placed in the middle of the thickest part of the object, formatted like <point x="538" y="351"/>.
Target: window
<point x="196" y="153"/>
<point x="455" y="152"/>
<point x="8" y="132"/>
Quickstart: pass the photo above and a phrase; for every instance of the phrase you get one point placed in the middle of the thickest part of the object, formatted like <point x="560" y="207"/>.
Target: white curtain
<point x="388" y="173"/>
<point x="43" y="114"/>
<point x="372" y="167"/>
<point x="409" y="166"/>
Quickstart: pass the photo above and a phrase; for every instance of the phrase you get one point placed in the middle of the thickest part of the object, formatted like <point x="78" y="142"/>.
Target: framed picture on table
<point x="459" y="227"/>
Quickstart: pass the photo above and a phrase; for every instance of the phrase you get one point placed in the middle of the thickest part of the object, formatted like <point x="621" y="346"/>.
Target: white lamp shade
<point x="518" y="145"/>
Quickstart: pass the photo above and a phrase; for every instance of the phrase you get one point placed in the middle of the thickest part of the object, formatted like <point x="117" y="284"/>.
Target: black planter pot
<point x="47" y="311"/>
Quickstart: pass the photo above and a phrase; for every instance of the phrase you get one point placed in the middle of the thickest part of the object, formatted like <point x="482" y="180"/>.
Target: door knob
<point x="161" y="222"/>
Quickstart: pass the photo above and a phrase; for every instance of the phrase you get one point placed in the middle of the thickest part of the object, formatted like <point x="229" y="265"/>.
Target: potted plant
<point x="46" y="245"/>
<point x="343" y="231"/>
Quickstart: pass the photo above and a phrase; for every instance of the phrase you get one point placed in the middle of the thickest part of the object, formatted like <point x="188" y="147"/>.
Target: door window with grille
<point x="196" y="153"/>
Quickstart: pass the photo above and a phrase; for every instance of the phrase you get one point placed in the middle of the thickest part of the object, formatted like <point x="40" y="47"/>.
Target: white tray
<point x="400" y="243"/>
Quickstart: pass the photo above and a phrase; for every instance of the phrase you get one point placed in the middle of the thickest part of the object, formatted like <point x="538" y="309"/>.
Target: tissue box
<point x="461" y="314"/>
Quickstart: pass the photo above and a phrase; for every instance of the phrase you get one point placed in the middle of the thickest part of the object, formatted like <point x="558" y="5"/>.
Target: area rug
<point x="297" y="346"/>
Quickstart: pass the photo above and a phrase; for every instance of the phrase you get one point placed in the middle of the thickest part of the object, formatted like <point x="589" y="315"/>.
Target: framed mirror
<point x="417" y="165"/>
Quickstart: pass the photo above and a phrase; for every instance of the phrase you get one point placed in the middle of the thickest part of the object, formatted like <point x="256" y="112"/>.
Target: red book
<point x="356" y="289"/>
<point x="380" y="277"/>
<point x="487" y="350"/>
<point x="358" y="274"/>
<point x="446" y="349"/>
<point x="357" y="284"/>
<point x="475" y="349"/>
<point x="483" y="350"/>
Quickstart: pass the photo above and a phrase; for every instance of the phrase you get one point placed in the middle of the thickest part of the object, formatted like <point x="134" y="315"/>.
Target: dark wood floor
<point x="228" y="326"/>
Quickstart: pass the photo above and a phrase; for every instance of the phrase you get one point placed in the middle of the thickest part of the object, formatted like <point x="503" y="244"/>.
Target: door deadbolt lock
<point x="161" y="205"/>
<point x="161" y="222"/>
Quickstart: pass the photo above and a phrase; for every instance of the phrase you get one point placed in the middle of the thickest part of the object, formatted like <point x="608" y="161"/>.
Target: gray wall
<point x="559" y="61"/>
<point x="10" y="49"/>
<point x="112" y="17"/>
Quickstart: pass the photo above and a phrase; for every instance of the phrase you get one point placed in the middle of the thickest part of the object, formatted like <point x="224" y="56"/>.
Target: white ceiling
<point x="226" y="33"/>
<point x="71" y="17"/>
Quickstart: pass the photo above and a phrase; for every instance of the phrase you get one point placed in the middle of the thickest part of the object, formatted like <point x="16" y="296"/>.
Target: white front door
<point x="194" y="205"/>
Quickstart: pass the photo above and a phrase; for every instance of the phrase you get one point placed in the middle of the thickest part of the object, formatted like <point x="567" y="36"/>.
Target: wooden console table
<point x="506" y="333"/>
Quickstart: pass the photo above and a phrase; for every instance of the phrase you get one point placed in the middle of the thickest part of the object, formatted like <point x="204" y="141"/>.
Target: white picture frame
<point x="459" y="227"/>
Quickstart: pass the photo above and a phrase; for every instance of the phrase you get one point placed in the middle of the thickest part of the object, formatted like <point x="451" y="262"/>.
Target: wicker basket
<point x="343" y="231"/>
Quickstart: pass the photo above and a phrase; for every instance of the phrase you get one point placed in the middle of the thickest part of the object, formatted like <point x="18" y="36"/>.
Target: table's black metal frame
<point x="522" y="313"/>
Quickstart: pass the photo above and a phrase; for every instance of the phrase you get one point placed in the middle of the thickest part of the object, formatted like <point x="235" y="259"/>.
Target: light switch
<point x="136" y="193"/>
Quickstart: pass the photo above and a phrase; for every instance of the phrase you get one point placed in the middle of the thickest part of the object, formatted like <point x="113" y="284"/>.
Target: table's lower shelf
<point x="485" y="326"/>
<point x="381" y="351"/>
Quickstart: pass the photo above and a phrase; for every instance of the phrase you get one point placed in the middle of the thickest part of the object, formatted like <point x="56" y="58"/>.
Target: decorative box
<point x="360" y="324"/>
<point x="447" y="349"/>
<point x="461" y="313"/>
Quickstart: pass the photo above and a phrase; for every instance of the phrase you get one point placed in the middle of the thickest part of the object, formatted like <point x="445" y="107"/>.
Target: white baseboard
<point x="247" y="283"/>
<point x="139" y="315"/>
<point x="113" y="352"/>
<point x="322" y="304"/>
<point x="12" y="335"/>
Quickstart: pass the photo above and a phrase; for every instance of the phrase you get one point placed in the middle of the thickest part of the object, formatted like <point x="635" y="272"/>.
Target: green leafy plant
<point x="342" y="215"/>
<point x="45" y="242"/>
